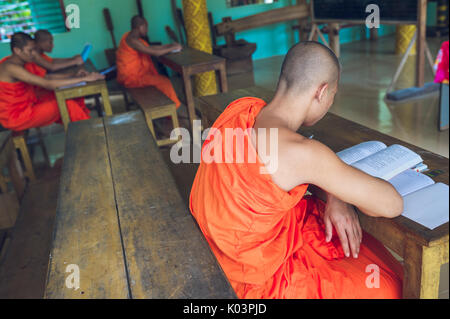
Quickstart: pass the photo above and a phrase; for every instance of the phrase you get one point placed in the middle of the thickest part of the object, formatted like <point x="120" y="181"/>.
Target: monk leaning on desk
<point x="20" y="108"/>
<point x="271" y="239"/>
<point x="135" y="67"/>
<point x="42" y="63"/>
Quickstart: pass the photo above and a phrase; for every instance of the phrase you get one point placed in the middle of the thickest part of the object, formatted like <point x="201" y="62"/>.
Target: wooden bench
<point x="20" y="140"/>
<point x="121" y="220"/>
<point x="9" y="201"/>
<point x="155" y="105"/>
<point x="423" y="250"/>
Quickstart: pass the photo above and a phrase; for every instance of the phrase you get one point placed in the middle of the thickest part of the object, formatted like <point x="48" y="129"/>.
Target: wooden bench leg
<point x="149" y="120"/>
<point x="106" y="102"/>
<point x="171" y="112"/>
<point x="21" y="145"/>
<point x="42" y="145"/>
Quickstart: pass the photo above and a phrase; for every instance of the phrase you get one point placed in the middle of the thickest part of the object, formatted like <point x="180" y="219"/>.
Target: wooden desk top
<point x="88" y="84"/>
<point x="338" y="134"/>
<point x="189" y="57"/>
<point x="121" y="219"/>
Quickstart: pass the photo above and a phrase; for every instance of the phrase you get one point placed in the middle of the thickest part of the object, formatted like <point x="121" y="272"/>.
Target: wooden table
<point x="91" y="88"/>
<point x="423" y="250"/>
<point x="189" y="62"/>
<point x="121" y="220"/>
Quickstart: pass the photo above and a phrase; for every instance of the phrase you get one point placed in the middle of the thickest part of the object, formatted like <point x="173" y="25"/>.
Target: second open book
<point x="425" y="202"/>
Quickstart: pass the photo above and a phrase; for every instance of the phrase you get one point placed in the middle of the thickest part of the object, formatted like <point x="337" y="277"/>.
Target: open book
<point x="425" y="202"/>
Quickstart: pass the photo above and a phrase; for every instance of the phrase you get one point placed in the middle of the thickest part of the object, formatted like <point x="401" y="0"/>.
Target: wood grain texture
<point x="272" y="16"/>
<point x="86" y="229"/>
<point x="189" y="57"/>
<point x="167" y="256"/>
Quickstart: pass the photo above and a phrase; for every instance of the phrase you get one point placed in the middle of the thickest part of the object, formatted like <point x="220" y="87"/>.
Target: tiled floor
<point x="367" y="71"/>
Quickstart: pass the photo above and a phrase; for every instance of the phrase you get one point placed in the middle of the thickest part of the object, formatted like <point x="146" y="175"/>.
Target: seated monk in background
<point x="20" y="108"/>
<point x="42" y="63"/>
<point x="135" y="67"/>
<point x="270" y="238"/>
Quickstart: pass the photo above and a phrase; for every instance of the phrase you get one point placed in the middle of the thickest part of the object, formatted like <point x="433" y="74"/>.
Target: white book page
<point x="389" y="162"/>
<point x="428" y="206"/>
<point x="409" y="181"/>
<point x="355" y="153"/>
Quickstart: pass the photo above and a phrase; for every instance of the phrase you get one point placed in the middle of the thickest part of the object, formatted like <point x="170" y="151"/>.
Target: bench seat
<point x="155" y="105"/>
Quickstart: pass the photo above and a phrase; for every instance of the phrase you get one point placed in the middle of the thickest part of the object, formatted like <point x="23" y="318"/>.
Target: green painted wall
<point x="271" y="40"/>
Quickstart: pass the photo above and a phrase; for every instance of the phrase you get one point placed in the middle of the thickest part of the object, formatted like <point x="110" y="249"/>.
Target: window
<point x="29" y="16"/>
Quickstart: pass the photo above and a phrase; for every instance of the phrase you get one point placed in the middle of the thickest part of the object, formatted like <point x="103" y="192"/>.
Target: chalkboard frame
<point x="363" y="21"/>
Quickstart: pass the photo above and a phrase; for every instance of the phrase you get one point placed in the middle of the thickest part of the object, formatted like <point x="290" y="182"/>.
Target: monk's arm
<point x="373" y="196"/>
<point x="20" y="74"/>
<point x="155" y="50"/>
<point x="57" y="64"/>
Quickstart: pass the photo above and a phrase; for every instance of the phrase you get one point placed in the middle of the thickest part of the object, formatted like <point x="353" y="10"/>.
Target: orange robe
<point x="136" y="69"/>
<point x="21" y="109"/>
<point x="42" y="72"/>
<point x="39" y="71"/>
<point x="271" y="243"/>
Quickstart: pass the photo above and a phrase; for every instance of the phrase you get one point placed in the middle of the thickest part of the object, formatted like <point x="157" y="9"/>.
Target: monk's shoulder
<point x="7" y="68"/>
<point x="298" y="147"/>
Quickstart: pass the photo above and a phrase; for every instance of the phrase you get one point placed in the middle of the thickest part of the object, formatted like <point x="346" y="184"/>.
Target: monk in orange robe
<point x="42" y="63"/>
<point x="135" y="67"/>
<point x="272" y="239"/>
<point x="20" y="108"/>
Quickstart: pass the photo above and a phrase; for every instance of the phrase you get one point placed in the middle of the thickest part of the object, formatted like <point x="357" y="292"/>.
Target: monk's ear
<point x="321" y="92"/>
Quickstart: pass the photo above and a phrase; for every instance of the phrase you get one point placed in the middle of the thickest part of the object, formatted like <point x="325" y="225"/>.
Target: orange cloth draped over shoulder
<point x="136" y="69"/>
<point x="21" y="109"/>
<point x="271" y="243"/>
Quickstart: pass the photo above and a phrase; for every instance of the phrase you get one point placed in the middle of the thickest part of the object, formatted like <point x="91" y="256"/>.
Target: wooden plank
<point x="149" y="97"/>
<point x="167" y="256"/>
<point x="189" y="57"/>
<point x="287" y="13"/>
<point x="86" y="229"/>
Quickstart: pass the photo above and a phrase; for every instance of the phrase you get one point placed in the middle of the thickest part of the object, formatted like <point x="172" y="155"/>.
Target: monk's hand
<point x="94" y="76"/>
<point x="78" y="59"/>
<point x="82" y="72"/>
<point x="177" y="47"/>
<point x="345" y="220"/>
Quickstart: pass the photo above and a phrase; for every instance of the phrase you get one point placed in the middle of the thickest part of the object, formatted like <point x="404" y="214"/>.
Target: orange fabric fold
<point x="271" y="243"/>
<point x="136" y="69"/>
<point x="21" y="109"/>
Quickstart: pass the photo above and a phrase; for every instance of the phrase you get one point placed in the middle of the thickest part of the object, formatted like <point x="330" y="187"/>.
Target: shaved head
<point x="308" y="64"/>
<point x="20" y="40"/>
<point x="42" y="35"/>
<point x="137" y="21"/>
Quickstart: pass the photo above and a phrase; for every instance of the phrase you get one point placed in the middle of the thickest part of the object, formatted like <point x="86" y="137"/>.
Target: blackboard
<point x="393" y="11"/>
